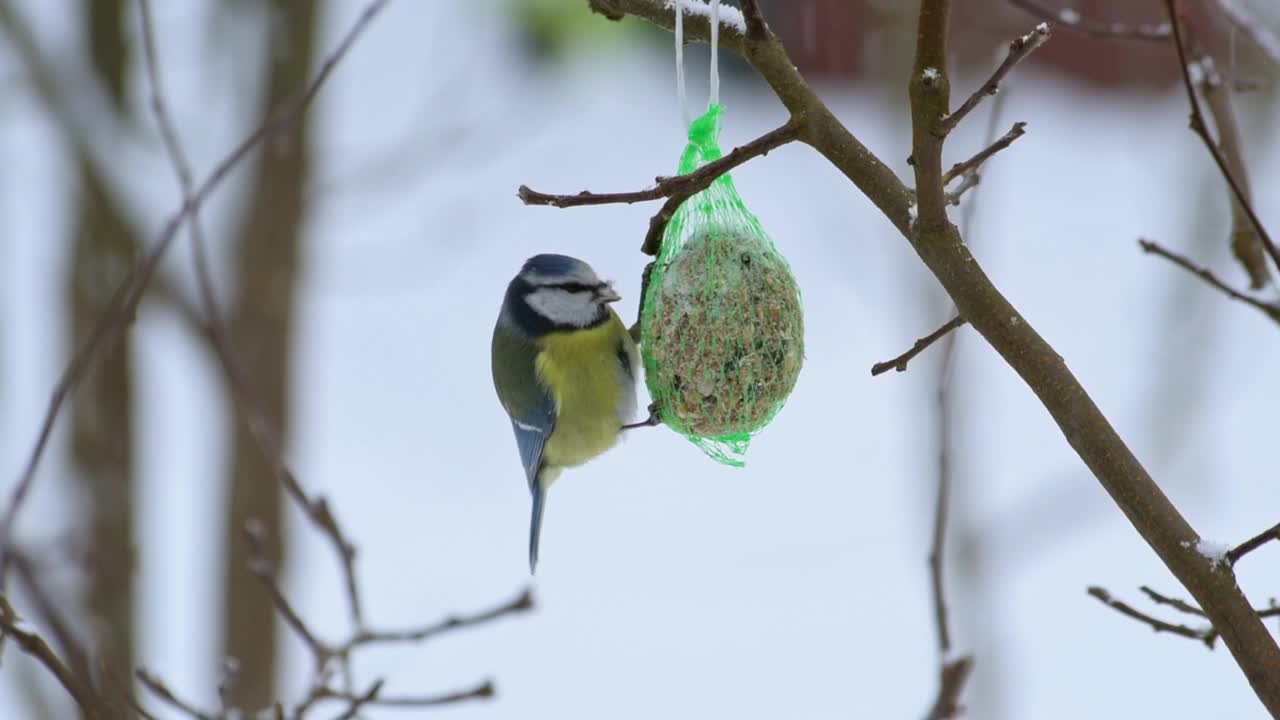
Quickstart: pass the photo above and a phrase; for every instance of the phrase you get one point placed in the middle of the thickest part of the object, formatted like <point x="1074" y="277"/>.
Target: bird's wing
<point x="526" y="399"/>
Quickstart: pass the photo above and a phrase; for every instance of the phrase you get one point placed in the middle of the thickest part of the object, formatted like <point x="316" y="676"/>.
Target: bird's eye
<point x="574" y="287"/>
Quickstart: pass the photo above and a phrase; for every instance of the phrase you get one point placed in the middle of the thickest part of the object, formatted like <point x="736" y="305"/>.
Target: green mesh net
<point x="722" y="332"/>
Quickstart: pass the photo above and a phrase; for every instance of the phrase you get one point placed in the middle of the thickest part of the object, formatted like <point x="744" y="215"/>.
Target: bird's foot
<point x="655" y="418"/>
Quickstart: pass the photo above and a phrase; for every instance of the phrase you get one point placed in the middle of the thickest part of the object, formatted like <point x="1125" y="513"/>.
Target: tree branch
<point x="483" y="690"/>
<point x="1019" y="49"/>
<point x="157" y="687"/>
<point x="900" y="363"/>
<point x="1200" y="128"/>
<point x="1270" y="310"/>
<point x="122" y="306"/>
<point x="1042" y="368"/>
<point x="1271" y="534"/>
<point x="972" y="164"/>
<point x="1206" y="636"/>
<point x="1097" y="28"/>
<point x="35" y="646"/>
<point x="1243" y="239"/>
<point x="677" y="189"/>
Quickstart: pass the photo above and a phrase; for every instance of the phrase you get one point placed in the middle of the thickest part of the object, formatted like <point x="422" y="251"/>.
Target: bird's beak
<point x="606" y="294"/>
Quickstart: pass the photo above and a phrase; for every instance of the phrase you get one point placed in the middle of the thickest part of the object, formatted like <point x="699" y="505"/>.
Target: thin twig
<point x="1019" y="49"/>
<point x="358" y="702"/>
<point x="1243" y="238"/>
<point x="1269" y="535"/>
<point x="260" y="566"/>
<point x="1270" y="310"/>
<point x="121" y="308"/>
<point x="900" y="363"/>
<point x="1172" y="602"/>
<point x="35" y="646"/>
<point x="159" y="689"/>
<point x="1097" y="28"/>
<point x="1200" y="128"/>
<point x="676" y="189"/>
<point x="76" y="655"/>
<point x="970" y="181"/>
<point x="1206" y="636"/>
<point x="972" y="164"/>
<point x="521" y="603"/>
<point x="483" y="690"/>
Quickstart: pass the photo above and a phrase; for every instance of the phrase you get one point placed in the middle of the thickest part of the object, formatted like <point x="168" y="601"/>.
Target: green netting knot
<point x="722" y="330"/>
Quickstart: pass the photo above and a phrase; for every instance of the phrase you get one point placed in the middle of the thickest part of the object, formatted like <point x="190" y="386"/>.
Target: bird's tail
<point x="535" y="524"/>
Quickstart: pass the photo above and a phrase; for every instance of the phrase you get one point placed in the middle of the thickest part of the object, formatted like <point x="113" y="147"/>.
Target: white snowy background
<point x="671" y="586"/>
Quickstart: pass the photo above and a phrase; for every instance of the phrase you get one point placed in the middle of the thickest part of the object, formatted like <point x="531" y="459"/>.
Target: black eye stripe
<point x="573" y="287"/>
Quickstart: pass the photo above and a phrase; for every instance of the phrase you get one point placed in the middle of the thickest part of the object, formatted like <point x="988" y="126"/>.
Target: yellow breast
<point x="582" y="370"/>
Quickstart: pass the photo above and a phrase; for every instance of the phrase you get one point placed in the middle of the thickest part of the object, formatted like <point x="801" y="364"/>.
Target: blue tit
<point x="564" y="367"/>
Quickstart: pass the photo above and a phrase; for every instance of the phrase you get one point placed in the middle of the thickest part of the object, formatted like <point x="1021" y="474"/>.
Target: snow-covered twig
<point x="1019" y="49"/>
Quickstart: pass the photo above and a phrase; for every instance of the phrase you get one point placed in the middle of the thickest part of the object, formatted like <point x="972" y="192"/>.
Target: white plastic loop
<point x="715" y="54"/>
<point x="684" y="102"/>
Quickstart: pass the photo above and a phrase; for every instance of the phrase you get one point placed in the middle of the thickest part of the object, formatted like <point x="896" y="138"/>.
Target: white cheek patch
<point x="562" y="307"/>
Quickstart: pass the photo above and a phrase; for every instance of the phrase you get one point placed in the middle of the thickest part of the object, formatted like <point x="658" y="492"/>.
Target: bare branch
<point x="483" y="690"/>
<point x="1270" y="310"/>
<point x="677" y="189"/>
<point x="521" y="603"/>
<point x="260" y="566"/>
<point x="1019" y="49"/>
<point x="972" y="164"/>
<point x="160" y="690"/>
<point x="122" y="306"/>
<point x="1245" y="243"/>
<point x="1072" y="20"/>
<point x="1271" y="534"/>
<point x="1200" y="128"/>
<point x="1206" y="635"/>
<point x="1174" y="603"/>
<point x="35" y="646"/>
<point x="900" y="363"/>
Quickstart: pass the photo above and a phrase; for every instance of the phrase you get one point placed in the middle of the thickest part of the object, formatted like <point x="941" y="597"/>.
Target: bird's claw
<point x="655" y="418"/>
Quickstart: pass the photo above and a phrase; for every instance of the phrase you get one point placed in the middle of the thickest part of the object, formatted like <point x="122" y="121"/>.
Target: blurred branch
<point x="1174" y="603"/>
<point x="122" y="307"/>
<point x="1097" y="28"/>
<point x="35" y="646"/>
<point x="1271" y="310"/>
<point x="324" y="654"/>
<point x="900" y="363"/>
<point x="371" y="698"/>
<point x="157" y="687"/>
<point x="77" y="658"/>
<point x="1239" y="190"/>
<point x="677" y="189"/>
<point x="942" y="249"/>
<point x="1019" y="49"/>
<point x="1245" y="242"/>
<point x="953" y="678"/>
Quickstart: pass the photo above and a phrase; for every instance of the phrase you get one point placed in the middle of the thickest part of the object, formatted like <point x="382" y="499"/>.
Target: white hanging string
<point x="684" y="103"/>
<point x="715" y="54"/>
